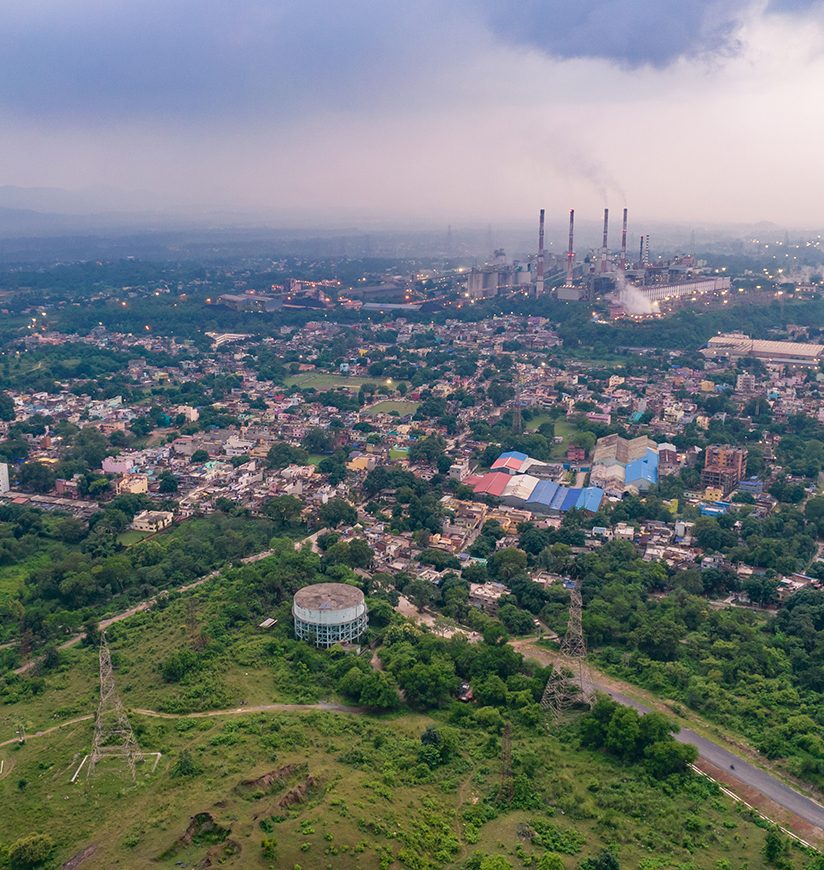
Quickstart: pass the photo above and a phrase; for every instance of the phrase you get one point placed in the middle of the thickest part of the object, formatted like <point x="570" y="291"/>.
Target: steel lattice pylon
<point x="113" y="735"/>
<point x="570" y="681"/>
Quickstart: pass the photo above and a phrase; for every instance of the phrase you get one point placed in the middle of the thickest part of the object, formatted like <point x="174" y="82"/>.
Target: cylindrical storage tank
<point x="329" y="613"/>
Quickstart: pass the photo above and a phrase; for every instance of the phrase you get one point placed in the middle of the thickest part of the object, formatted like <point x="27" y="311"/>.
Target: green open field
<point x="562" y="428"/>
<point x="347" y="790"/>
<point x="132" y="536"/>
<point x="402" y="408"/>
<point x="325" y="381"/>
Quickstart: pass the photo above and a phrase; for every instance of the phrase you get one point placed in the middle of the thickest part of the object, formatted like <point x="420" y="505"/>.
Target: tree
<point x="6" y="406"/>
<point x="623" y="732"/>
<point x="284" y="510"/>
<point x="37" y="476"/>
<point x="506" y="563"/>
<point x="603" y="861"/>
<point x="199" y="457"/>
<point x="775" y="849"/>
<point x="379" y="691"/>
<point x="317" y="441"/>
<point x="666" y="757"/>
<point x="168" y="482"/>
<point x="185" y="765"/>
<point x="337" y="511"/>
<point x="30" y="851"/>
<point x="282" y="454"/>
<point x="420" y="592"/>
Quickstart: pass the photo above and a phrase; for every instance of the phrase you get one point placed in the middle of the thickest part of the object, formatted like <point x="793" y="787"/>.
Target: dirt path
<point x="258" y="708"/>
<point x="323" y="706"/>
<point x="47" y="731"/>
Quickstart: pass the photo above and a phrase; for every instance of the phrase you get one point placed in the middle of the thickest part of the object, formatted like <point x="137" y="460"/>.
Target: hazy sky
<point x="448" y="110"/>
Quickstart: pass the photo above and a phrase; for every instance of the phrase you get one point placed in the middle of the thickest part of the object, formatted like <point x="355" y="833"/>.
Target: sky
<point x="426" y="111"/>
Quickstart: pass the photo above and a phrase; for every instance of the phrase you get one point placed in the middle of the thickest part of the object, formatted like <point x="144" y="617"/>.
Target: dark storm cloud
<point x="629" y="32"/>
<point x="205" y="60"/>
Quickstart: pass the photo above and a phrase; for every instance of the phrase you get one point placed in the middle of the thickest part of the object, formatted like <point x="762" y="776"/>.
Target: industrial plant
<point x="632" y="287"/>
<point x="329" y="613"/>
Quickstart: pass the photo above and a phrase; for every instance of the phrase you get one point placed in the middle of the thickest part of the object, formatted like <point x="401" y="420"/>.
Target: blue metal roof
<point x="513" y="454"/>
<point x="543" y="493"/>
<point x="590" y="499"/>
<point x="558" y="498"/>
<point x="571" y="499"/>
<point x="640" y="469"/>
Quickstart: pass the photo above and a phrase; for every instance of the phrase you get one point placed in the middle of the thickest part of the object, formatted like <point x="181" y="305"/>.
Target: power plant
<point x="634" y="288"/>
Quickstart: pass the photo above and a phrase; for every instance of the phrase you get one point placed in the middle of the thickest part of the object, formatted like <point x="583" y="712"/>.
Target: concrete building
<point x="329" y="613"/>
<point x="5" y="486"/>
<point x="152" y="521"/>
<point x="134" y="484"/>
<point x="724" y="466"/>
<point x="736" y="344"/>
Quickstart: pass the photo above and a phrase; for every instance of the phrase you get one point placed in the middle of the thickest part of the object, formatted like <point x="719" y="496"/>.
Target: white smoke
<point x="632" y="298"/>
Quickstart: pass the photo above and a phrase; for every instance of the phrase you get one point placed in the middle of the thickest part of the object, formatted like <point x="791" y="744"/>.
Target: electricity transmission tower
<point x="570" y="681"/>
<point x="113" y="735"/>
<point x="506" y="790"/>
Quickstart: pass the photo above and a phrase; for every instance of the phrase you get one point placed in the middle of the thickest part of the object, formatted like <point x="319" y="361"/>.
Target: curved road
<point x="732" y="765"/>
<point x="752" y="776"/>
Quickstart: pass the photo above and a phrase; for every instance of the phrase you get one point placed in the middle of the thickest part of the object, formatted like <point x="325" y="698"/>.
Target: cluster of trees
<point x="415" y="502"/>
<point x="58" y="596"/>
<point x="624" y="733"/>
<point x="760" y="676"/>
<point x="783" y="542"/>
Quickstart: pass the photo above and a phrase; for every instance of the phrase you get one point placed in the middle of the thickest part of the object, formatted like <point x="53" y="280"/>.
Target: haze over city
<point x="421" y="113"/>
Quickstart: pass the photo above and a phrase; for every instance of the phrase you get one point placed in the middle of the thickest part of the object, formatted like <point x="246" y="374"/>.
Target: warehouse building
<point x="530" y="491"/>
<point x="736" y="345"/>
<point x="622" y="465"/>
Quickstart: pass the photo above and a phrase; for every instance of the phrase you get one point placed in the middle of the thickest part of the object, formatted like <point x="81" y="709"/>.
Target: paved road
<point x="742" y="770"/>
<point x="734" y="765"/>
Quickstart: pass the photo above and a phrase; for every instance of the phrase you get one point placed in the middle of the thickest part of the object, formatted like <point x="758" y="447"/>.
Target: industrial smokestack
<point x="641" y="253"/>
<point x="646" y="251"/>
<point x="539" y="281"/>
<point x="571" y="249"/>
<point x="604" y="246"/>
<point x="624" y="243"/>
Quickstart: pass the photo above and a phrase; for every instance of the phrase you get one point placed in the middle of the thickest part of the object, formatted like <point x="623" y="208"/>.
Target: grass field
<point x="325" y="381"/>
<point x="352" y="791"/>
<point x="562" y="428"/>
<point x="132" y="536"/>
<point x="402" y="408"/>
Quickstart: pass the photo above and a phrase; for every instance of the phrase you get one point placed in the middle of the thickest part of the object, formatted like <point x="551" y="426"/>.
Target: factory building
<point x="736" y="344"/>
<point x="497" y="277"/>
<point x="329" y="613"/>
<point x="530" y="491"/>
<point x="724" y="467"/>
<point x="620" y="465"/>
<point x="678" y="289"/>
